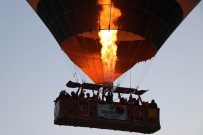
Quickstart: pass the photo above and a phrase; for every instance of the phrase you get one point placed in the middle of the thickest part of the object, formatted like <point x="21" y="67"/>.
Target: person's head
<point x="152" y="101"/>
<point x="63" y="92"/>
<point x="88" y="95"/>
<point x="72" y="93"/>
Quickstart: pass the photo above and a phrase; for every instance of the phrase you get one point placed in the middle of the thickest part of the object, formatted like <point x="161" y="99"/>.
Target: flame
<point x="108" y="16"/>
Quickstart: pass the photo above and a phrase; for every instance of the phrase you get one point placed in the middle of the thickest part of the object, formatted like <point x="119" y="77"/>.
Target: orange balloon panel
<point x="85" y="53"/>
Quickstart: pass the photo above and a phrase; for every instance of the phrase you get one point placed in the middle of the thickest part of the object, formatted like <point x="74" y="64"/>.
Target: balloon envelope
<point x="143" y="28"/>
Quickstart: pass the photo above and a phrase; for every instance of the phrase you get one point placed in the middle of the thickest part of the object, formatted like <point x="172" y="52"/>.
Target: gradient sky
<point x="33" y="70"/>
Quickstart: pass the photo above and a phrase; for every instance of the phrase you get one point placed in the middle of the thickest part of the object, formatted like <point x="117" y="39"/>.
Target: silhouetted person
<point x="145" y="104"/>
<point x="109" y="97"/>
<point x="122" y="99"/>
<point x="94" y="96"/>
<point x="62" y="95"/>
<point x="74" y="95"/>
<point x="82" y="95"/>
<point x="136" y="102"/>
<point x="130" y="99"/>
<point x="88" y="96"/>
<point x="153" y="104"/>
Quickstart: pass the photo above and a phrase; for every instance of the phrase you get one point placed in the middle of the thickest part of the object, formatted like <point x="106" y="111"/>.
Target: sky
<point x="33" y="70"/>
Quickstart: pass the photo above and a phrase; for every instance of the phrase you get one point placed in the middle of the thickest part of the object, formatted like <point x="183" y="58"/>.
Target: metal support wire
<point x="144" y="72"/>
<point x="135" y="54"/>
<point x="110" y="15"/>
<point x="72" y="71"/>
<point x="75" y="74"/>
<point x="130" y="78"/>
<point x="122" y="78"/>
<point x="83" y="79"/>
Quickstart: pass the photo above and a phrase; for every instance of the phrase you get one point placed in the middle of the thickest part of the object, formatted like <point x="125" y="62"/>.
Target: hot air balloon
<point x="135" y="29"/>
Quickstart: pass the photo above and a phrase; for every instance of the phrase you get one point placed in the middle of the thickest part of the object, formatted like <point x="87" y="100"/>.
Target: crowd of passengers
<point x="108" y="98"/>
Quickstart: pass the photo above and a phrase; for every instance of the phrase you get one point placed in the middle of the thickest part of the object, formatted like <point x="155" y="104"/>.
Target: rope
<point x="81" y="75"/>
<point x="59" y="34"/>
<point x="136" y="54"/>
<point x="130" y="78"/>
<point x="75" y="74"/>
<point x="70" y="67"/>
<point x="122" y="78"/>
<point x="149" y="65"/>
<point x="110" y="14"/>
<point x="144" y="71"/>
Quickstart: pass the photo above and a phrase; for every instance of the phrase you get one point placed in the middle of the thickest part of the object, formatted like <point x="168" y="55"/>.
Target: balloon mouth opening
<point x="84" y="50"/>
<point x="109" y="40"/>
<point x="121" y="35"/>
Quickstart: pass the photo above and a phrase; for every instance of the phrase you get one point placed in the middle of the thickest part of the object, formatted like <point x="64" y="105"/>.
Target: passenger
<point x="126" y="100"/>
<point x="94" y="96"/>
<point x="102" y="98"/>
<point x="78" y="91"/>
<point x="62" y="94"/>
<point x="103" y="94"/>
<point x="75" y="96"/>
<point x="72" y="93"/>
<point x="82" y="95"/>
<point x="98" y="97"/>
<point x="136" y="102"/>
<point x="119" y="96"/>
<point x="153" y="103"/>
<point x="122" y="99"/>
<point x="145" y="104"/>
<point x="88" y="96"/>
<point x="109" y="97"/>
<point x="67" y="95"/>
<point x="130" y="99"/>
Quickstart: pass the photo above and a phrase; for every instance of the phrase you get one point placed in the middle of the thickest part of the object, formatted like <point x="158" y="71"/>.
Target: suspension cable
<point x="130" y="78"/>
<point x="143" y="73"/>
<point x="75" y="74"/>
<point x="72" y="70"/>
<point x="110" y="15"/>
<point x="122" y="78"/>
<point x="81" y="74"/>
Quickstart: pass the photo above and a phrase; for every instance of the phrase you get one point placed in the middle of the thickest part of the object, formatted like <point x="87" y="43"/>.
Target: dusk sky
<point x="34" y="69"/>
